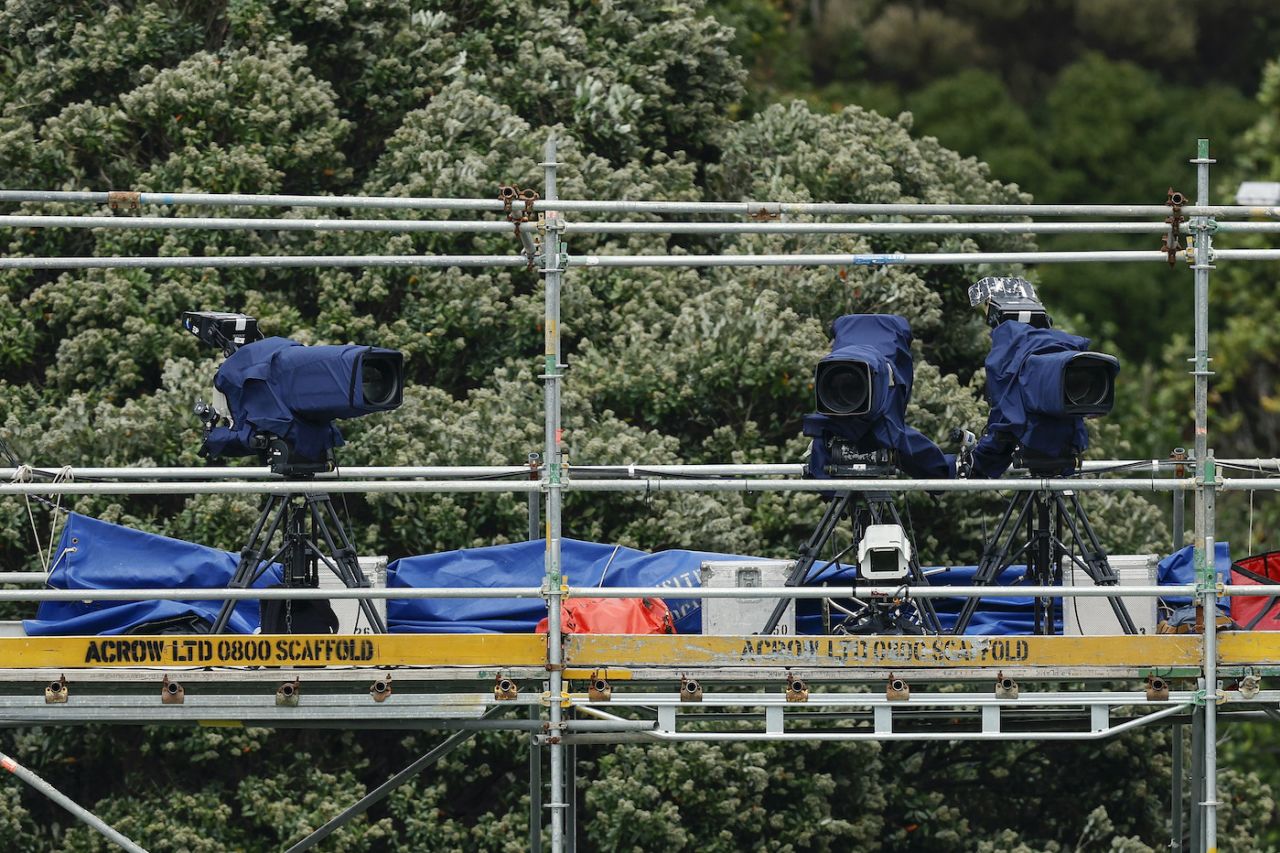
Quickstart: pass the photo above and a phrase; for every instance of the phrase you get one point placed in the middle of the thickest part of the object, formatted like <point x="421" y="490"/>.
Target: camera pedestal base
<point x="301" y="552"/>
<point x="1047" y="516"/>
<point x="863" y="509"/>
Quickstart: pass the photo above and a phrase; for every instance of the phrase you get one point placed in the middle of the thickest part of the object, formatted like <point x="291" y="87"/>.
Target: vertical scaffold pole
<point x="535" y="785"/>
<point x="1201" y="227"/>
<point x="552" y="483"/>
<point x="1175" y="797"/>
<point x="1177" y="800"/>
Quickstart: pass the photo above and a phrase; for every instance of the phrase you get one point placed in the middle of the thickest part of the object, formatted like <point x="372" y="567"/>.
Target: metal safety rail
<point x="562" y="718"/>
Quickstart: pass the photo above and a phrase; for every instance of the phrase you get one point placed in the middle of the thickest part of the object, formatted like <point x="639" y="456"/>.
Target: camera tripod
<point x="1047" y="517"/>
<point x="863" y="509"/>
<point x="300" y="553"/>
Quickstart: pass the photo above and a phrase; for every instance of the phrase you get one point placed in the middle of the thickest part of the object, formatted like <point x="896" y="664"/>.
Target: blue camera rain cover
<point x="94" y="554"/>
<point x="1013" y="419"/>
<point x="883" y="341"/>
<point x="257" y="381"/>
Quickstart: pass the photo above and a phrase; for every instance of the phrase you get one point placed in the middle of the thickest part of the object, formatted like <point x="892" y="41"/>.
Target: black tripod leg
<point x="993" y="560"/>
<point x="344" y="555"/>
<point x="924" y="606"/>
<point x="251" y="555"/>
<point x="1040" y="535"/>
<point x="809" y="554"/>
<point x="1095" y="559"/>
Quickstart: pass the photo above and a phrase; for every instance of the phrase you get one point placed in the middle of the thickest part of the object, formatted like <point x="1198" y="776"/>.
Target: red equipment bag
<point x="1257" y="613"/>
<point x="613" y="616"/>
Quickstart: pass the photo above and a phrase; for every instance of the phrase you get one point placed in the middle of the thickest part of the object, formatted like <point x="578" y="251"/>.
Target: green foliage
<point x="451" y="98"/>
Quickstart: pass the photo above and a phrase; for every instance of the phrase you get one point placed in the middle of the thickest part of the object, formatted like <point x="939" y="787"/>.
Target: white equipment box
<point x="350" y="619"/>
<point x="741" y="616"/>
<point x="1094" y="616"/>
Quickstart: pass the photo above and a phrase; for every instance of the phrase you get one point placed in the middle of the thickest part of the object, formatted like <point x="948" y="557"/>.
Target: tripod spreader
<point x="1045" y="516"/>
<point x="301" y="552"/>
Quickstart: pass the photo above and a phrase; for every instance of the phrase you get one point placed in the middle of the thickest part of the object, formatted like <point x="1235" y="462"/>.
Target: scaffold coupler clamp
<point x="504" y="689"/>
<point x="766" y="211"/>
<point x="1171" y="241"/>
<point x="288" y="694"/>
<point x="1201" y="697"/>
<point x="380" y="690"/>
<point x="797" y="689"/>
<point x="56" y="692"/>
<point x="171" y="692"/>
<point x="123" y="201"/>
<point x="599" y="689"/>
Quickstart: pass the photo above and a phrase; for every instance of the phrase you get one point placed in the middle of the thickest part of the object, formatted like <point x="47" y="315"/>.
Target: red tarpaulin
<point x="613" y="616"/>
<point x="1257" y="613"/>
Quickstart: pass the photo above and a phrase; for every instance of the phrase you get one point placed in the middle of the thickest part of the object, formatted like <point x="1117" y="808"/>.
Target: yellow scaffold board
<point x="375" y="650"/>
<point x="876" y="652"/>
<point x="1249" y="647"/>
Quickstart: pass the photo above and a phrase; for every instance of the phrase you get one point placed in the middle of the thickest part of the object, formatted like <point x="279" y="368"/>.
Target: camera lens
<point x="844" y="388"/>
<point x="379" y="381"/>
<point x="1087" y="384"/>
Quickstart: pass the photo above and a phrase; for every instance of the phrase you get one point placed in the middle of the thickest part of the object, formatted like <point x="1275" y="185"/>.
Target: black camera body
<point x="845" y="460"/>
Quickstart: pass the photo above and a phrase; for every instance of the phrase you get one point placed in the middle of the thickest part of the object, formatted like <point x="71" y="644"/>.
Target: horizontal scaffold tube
<point x="845" y="590"/>
<point x="263" y="473"/>
<point x="872" y="259"/>
<point x="491" y="226"/>
<point x="274" y="593"/>
<point x="1088" y="466"/>
<point x="372" y="472"/>
<point x="275" y="488"/>
<point x="948" y="699"/>
<point x="1249" y="484"/>
<point x="1152" y="484"/>
<point x="1246" y="254"/>
<point x="868" y="734"/>
<point x="206" y="223"/>
<point x="806" y="592"/>
<point x="203" y="223"/>
<point x="962" y="228"/>
<point x="744" y="208"/>
<point x="254" y="261"/>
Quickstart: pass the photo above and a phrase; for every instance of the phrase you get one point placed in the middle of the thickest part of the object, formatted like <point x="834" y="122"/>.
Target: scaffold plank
<point x="366" y="650"/>
<point x="600" y="650"/>
<point x="586" y="653"/>
<point x="1249" y="647"/>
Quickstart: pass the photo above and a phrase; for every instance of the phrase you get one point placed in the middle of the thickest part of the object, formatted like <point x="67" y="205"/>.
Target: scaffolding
<point x="525" y="682"/>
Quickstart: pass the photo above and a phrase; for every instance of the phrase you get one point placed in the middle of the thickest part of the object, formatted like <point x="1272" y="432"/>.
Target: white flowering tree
<point x="452" y="98"/>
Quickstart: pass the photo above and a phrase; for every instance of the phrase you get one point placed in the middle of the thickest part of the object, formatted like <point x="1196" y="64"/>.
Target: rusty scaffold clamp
<point x="123" y="201"/>
<point x="171" y="692"/>
<point x="510" y="195"/>
<point x="1171" y="242"/>
<point x="56" y="692"/>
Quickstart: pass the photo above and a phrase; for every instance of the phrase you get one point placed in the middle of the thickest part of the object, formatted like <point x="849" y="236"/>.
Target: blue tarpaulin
<point x="1179" y="568"/>
<point x="583" y="563"/>
<point x="521" y="564"/>
<point x="95" y="554"/>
